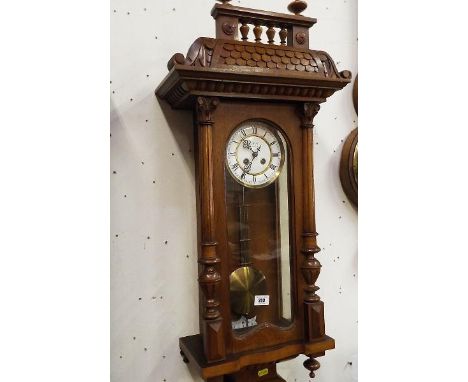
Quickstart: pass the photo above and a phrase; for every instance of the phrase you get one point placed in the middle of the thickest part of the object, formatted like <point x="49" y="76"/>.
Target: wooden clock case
<point x="349" y="158"/>
<point x="226" y="81"/>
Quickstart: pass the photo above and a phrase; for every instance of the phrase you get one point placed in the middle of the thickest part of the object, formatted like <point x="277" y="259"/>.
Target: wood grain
<point x="227" y="81"/>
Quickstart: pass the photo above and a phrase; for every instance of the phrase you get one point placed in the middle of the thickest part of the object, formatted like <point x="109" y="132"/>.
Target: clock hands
<point x="248" y="163"/>
<point x="255" y="153"/>
<point x="248" y="145"/>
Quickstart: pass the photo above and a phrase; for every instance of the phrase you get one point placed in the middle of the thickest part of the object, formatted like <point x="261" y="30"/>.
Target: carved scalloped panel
<point x="266" y="57"/>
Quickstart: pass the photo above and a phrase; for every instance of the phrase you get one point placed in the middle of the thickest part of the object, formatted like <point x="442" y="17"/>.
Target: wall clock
<point x="349" y="158"/>
<point x="255" y="90"/>
<point x="355" y="94"/>
<point x="349" y="167"/>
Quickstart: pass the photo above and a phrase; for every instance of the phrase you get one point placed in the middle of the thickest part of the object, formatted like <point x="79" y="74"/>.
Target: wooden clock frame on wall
<point x="227" y="80"/>
<point x="349" y="167"/>
<point x="349" y="158"/>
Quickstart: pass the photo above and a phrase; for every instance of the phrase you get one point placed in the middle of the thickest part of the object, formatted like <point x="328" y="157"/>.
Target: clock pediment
<point x="238" y="69"/>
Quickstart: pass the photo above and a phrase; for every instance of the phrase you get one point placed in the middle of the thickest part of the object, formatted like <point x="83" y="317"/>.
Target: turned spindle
<point x="271" y="34"/>
<point x="312" y="365"/>
<point x="283" y="35"/>
<point x="297" y="7"/>
<point x="258" y="33"/>
<point x="244" y="29"/>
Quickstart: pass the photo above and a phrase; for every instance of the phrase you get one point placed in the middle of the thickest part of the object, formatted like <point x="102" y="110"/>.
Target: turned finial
<point x="297" y="6"/>
<point x="312" y="365"/>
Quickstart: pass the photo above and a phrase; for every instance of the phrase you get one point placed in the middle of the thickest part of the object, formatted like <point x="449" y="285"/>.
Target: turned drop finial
<point x="297" y="6"/>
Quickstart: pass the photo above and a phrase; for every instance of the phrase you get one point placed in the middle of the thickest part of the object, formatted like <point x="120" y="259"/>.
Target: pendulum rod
<point x="244" y="232"/>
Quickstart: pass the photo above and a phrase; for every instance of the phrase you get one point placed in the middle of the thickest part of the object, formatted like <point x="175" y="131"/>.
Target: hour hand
<point x="255" y="153"/>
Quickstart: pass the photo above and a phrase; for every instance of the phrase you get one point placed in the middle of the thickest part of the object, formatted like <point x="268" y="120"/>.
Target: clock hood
<point x="239" y="69"/>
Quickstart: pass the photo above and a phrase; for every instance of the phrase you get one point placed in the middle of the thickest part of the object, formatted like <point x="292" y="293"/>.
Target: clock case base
<point x="236" y="367"/>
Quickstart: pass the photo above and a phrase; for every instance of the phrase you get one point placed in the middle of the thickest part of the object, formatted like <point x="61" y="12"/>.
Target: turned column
<point x="313" y="307"/>
<point x="209" y="278"/>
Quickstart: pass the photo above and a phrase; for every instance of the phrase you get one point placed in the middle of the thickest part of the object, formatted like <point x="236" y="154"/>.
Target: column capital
<point x="308" y="111"/>
<point x="205" y="107"/>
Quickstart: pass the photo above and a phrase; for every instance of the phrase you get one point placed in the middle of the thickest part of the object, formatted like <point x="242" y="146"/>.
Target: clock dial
<point x="255" y="154"/>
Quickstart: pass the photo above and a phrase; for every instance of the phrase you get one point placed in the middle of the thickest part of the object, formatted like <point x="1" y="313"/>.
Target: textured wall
<point x="154" y="298"/>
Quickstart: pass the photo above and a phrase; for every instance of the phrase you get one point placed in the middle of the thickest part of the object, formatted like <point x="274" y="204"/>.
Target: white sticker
<point x="262" y="300"/>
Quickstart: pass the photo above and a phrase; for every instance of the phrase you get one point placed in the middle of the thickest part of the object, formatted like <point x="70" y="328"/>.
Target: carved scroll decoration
<point x="199" y="54"/>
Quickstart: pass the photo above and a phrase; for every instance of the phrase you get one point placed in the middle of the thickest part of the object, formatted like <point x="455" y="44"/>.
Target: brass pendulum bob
<point x="246" y="282"/>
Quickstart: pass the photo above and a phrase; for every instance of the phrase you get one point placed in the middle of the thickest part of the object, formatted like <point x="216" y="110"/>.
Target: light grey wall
<point x="154" y="295"/>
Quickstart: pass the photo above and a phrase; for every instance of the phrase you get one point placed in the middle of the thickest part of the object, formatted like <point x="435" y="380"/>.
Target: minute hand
<point x="248" y="166"/>
<point x="255" y="153"/>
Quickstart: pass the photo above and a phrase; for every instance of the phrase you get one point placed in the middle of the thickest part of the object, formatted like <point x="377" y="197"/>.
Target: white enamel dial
<point x="255" y="154"/>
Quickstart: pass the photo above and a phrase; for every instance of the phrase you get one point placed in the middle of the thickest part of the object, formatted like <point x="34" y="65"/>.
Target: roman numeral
<point x="235" y="166"/>
<point x="254" y="179"/>
<point x="243" y="176"/>
<point x="254" y="130"/>
<point x="273" y="167"/>
<point x="272" y="143"/>
<point x="235" y="154"/>
<point x="275" y="155"/>
<point x="243" y="133"/>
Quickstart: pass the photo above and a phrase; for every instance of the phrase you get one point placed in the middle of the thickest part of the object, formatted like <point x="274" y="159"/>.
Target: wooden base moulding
<point x="192" y="349"/>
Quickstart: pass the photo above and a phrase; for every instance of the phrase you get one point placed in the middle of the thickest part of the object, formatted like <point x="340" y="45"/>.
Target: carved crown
<point x="267" y="68"/>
